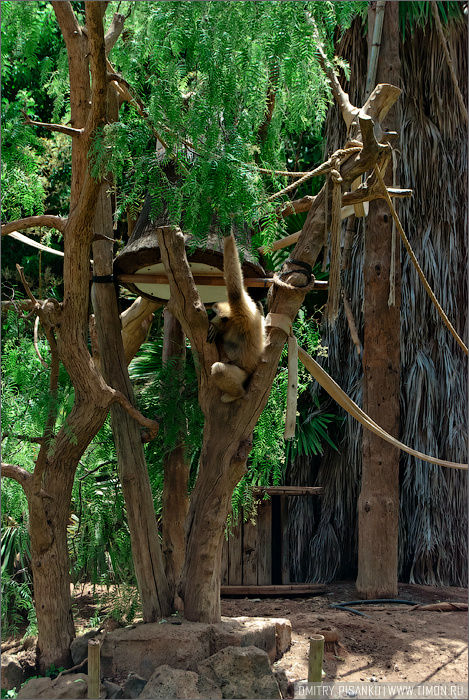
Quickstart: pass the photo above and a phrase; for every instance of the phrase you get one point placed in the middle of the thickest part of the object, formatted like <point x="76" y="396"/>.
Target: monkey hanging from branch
<point x="237" y="328"/>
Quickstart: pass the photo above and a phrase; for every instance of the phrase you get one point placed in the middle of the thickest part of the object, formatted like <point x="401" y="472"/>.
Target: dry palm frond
<point x="433" y="503"/>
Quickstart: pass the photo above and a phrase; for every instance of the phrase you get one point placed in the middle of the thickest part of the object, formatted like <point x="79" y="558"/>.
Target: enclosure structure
<point x="257" y="552"/>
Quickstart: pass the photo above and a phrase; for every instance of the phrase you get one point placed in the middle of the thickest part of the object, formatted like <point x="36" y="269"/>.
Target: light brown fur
<point x="239" y="325"/>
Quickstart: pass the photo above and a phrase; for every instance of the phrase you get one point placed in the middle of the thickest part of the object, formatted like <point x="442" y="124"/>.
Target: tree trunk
<point x="176" y="469"/>
<point x="222" y="464"/>
<point x="146" y="550"/>
<point x="378" y="504"/>
<point x="48" y="521"/>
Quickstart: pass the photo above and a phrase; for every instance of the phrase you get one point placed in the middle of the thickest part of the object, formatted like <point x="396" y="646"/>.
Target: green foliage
<point x="413" y="14"/>
<point x="203" y="71"/>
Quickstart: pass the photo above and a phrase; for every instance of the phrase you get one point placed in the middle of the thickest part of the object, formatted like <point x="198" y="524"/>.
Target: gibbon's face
<point x="221" y="315"/>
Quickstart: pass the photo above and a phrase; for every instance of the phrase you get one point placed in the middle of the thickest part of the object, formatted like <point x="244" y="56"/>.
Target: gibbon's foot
<point x="226" y="398"/>
<point x="230" y="379"/>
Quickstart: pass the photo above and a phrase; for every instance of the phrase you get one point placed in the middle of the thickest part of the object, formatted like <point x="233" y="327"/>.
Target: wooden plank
<point x="264" y="547"/>
<point x="235" y="557"/>
<point x="289" y="490"/>
<point x="304" y="589"/>
<point x="285" y="543"/>
<point x="207" y="279"/>
<point x="250" y="554"/>
<point x="224" y="562"/>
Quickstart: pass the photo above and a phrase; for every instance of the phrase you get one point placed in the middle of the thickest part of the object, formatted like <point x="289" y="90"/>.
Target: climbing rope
<point x="283" y="322"/>
<point x="420" y="272"/>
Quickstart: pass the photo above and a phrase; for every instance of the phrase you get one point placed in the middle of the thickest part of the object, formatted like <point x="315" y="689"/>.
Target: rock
<point x="113" y="690"/>
<point x="79" y="646"/>
<point x="167" y="682"/>
<point x="144" y="647"/>
<point x="241" y="672"/>
<point x="273" y="635"/>
<point x="74" y="685"/>
<point x="282" y="636"/>
<point x="12" y="672"/>
<point x="133" y="686"/>
<point x="283" y="682"/>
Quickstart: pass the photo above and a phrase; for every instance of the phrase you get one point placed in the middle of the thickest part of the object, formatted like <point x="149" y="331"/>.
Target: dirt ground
<point x="394" y="643"/>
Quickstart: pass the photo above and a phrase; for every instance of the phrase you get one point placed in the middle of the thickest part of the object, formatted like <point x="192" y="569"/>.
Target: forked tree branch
<point x="49" y="220"/>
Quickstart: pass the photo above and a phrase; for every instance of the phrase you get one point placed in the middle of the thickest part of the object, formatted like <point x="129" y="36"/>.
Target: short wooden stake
<point x="94" y="668"/>
<point x="316" y="657"/>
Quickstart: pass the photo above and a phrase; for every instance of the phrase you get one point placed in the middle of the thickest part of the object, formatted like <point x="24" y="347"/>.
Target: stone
<point x="146" y="646"/>
<point x="133" y="686"/>
<point x="12" y="672"/>
<point x="241" y="672"/>
<point x="142" y="648"/>
<point x="282" y="636"/>
<point x="283" y="682"/>
<point x="113" y="690"/>
<point x="73" y="685"/>
<point x="167" y="682"/>
<point x="79" y="646"/>
<point x="273" y="635"/>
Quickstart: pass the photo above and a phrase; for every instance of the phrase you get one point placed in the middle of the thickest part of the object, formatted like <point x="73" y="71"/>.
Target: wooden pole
<point x="94" y="668"/>
<point x="208" y="280"/>
<point x="316" y="658"/>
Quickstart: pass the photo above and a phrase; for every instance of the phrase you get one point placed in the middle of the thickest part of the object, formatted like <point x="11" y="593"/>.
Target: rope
<point x="420" y="272"/>
<point x="333" y="297"/>
<point x="283" y="322"/>
<point x="392" y="267"/>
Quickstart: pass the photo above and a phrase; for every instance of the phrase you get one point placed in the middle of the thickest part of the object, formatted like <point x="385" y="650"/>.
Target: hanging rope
<point x="392" y="267"/>
<point x="420" y="272"/>
<point x="283" y="322"/>
<point x="333" y="297"/>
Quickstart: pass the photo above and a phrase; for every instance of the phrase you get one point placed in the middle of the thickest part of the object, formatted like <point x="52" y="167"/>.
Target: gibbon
<point x="237" y="328"/>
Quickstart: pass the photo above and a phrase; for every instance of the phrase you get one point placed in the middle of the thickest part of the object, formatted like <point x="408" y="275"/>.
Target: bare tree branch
<point x="13" y="471"/>
<point x="24" y="438"/>
<point x="62" y="128"/>
<point x="151" y="425"/>
<point x="48" y="220"/>
<point x="114" y="31"/>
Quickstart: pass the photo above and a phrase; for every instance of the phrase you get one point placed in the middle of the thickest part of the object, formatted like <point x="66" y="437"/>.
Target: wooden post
<point x="94" y="668"/>
<point x="378" y="504"/>
<point x="316" y="657"/>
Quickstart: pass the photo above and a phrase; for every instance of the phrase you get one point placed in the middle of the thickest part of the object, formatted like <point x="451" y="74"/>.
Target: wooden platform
<point x="291" y="589"/>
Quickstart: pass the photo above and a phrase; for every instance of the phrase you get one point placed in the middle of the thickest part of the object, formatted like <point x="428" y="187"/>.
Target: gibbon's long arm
<point x="233" y="273"/>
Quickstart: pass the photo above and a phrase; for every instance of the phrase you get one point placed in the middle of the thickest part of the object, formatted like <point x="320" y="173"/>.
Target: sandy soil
<point x="394" y="643"/>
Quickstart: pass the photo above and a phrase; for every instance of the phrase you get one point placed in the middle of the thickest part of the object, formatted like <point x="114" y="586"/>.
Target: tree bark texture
<point x="146" y="550"/>
<point x="176" y="469"/>
<point x="378" y="504"/>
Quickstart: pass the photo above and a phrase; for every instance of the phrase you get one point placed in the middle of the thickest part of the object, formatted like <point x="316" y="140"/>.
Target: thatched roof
<point x="433" y="500"/>
<point x="142" y="250"/>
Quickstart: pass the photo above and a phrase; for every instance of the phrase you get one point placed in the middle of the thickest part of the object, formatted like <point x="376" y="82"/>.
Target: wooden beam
<point x="289" y="490"/>
<point x="304" y="589"/>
